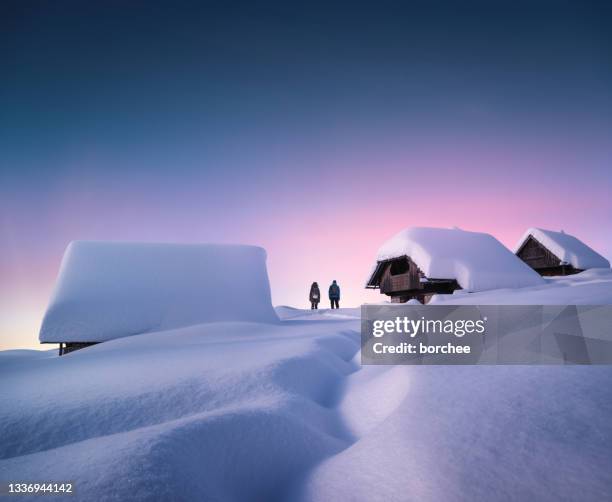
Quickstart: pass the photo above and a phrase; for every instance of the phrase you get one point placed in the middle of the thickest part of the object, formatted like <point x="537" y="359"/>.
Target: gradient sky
<point x="316" y="131"/>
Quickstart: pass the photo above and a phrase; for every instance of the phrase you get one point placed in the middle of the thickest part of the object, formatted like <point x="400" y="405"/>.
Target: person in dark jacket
<point x="334" y="295"/>
<point x="315" y="296"/>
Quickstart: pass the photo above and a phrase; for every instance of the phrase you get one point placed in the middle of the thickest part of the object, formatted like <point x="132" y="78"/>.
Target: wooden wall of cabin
<point x="542" y="260"/>
<point x="401" y="280"/>
<point x="537" y="256"/>
<point x="394" y="279"/>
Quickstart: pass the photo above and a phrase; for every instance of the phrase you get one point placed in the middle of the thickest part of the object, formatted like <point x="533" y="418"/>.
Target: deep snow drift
<point x="477" y="261"/>
<point x="567" y="248"/>
<point x="244" y="411"/>
<point x="237" y="411"/>
<point x="219" y="411"/>
<point x="106" y="290"/>
<point x="591" y="287"/>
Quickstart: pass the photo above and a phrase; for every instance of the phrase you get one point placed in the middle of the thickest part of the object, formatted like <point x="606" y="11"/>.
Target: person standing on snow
<point x="334" y="295"/>
<point x="315" y="296"/>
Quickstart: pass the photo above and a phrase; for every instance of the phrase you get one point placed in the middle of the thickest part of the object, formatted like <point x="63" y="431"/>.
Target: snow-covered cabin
<point x="419" y="262"/>
<point x="557" y="253"/>
<point x="108" y="290"/>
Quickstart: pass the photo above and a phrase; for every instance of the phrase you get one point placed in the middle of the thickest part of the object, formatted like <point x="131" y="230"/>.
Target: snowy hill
<point x="241" y="411"/>
<point x="251" y="411"/>
<point x="591" y="287"/>
<point x="222" y="411"/>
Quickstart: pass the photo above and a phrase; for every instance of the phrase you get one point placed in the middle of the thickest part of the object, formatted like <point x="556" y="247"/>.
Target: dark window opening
<point x="399" y="267"/>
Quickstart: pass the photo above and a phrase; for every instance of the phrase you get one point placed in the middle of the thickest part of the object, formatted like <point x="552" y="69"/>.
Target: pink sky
<point x="313" y="229"/>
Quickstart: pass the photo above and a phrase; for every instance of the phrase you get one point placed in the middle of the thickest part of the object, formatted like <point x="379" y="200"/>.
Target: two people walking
<point x="315" y="295"/>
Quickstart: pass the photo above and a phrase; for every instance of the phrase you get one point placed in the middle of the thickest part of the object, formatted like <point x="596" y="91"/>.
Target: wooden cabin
<point x="402" y="280"/>
<point x="110" y="290"/>
<point x="556" y="253"/>
<point x="419" y="262"/>
<point x="543" y="260"/>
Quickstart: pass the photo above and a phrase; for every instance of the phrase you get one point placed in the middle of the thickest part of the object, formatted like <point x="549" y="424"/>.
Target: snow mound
<point x="477" y="433"/>
<point x="591" y="287"/>
<point x="567" y="248"/>
<point x="477" y="261"/>
<point x="250" y="412"/>
<point x="227" y="411"/>
<point x="108" y="290"/>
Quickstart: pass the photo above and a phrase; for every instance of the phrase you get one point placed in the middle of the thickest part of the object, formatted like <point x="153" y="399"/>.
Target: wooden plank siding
<point x="542" y="259"/>
<point x="536" y="255"/>
<point x="393" y="282"/>
<point x="401" y="280"/>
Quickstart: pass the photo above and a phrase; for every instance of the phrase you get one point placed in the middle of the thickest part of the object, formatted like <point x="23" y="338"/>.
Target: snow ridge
<point x="235" y="411"/>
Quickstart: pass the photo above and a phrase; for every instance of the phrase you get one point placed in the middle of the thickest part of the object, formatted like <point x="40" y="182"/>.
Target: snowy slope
<point x="591" y="287"/>
<point x="107" y="290"/>
<point x="567" y="248"/>
<point x="236" y="411"/>
<point x="477" y="434"/>
<point x="292" y="313"/>
<point x="477" y="261"/>
<point x="221" y="411"/>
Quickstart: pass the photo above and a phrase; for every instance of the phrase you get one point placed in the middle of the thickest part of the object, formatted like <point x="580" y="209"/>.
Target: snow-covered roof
<point x="566" y="247"/>
<point x="477" y="261"/>
<point x="108" y="290"/>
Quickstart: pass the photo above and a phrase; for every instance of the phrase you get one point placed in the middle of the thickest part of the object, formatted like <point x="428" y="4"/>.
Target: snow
<point x="567" y="248"/>
<point x="216" y="411"/>
<point x="591" y="287"/>
<point x="107" y="290"/>
<point x="477" y="261"/>
<point x="248" y="411"/>
<point x="479" y="433"/>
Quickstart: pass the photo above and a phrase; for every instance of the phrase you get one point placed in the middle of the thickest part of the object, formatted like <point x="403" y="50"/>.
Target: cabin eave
<point x="67" y="347"/>
<point x="401" y="279"/>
